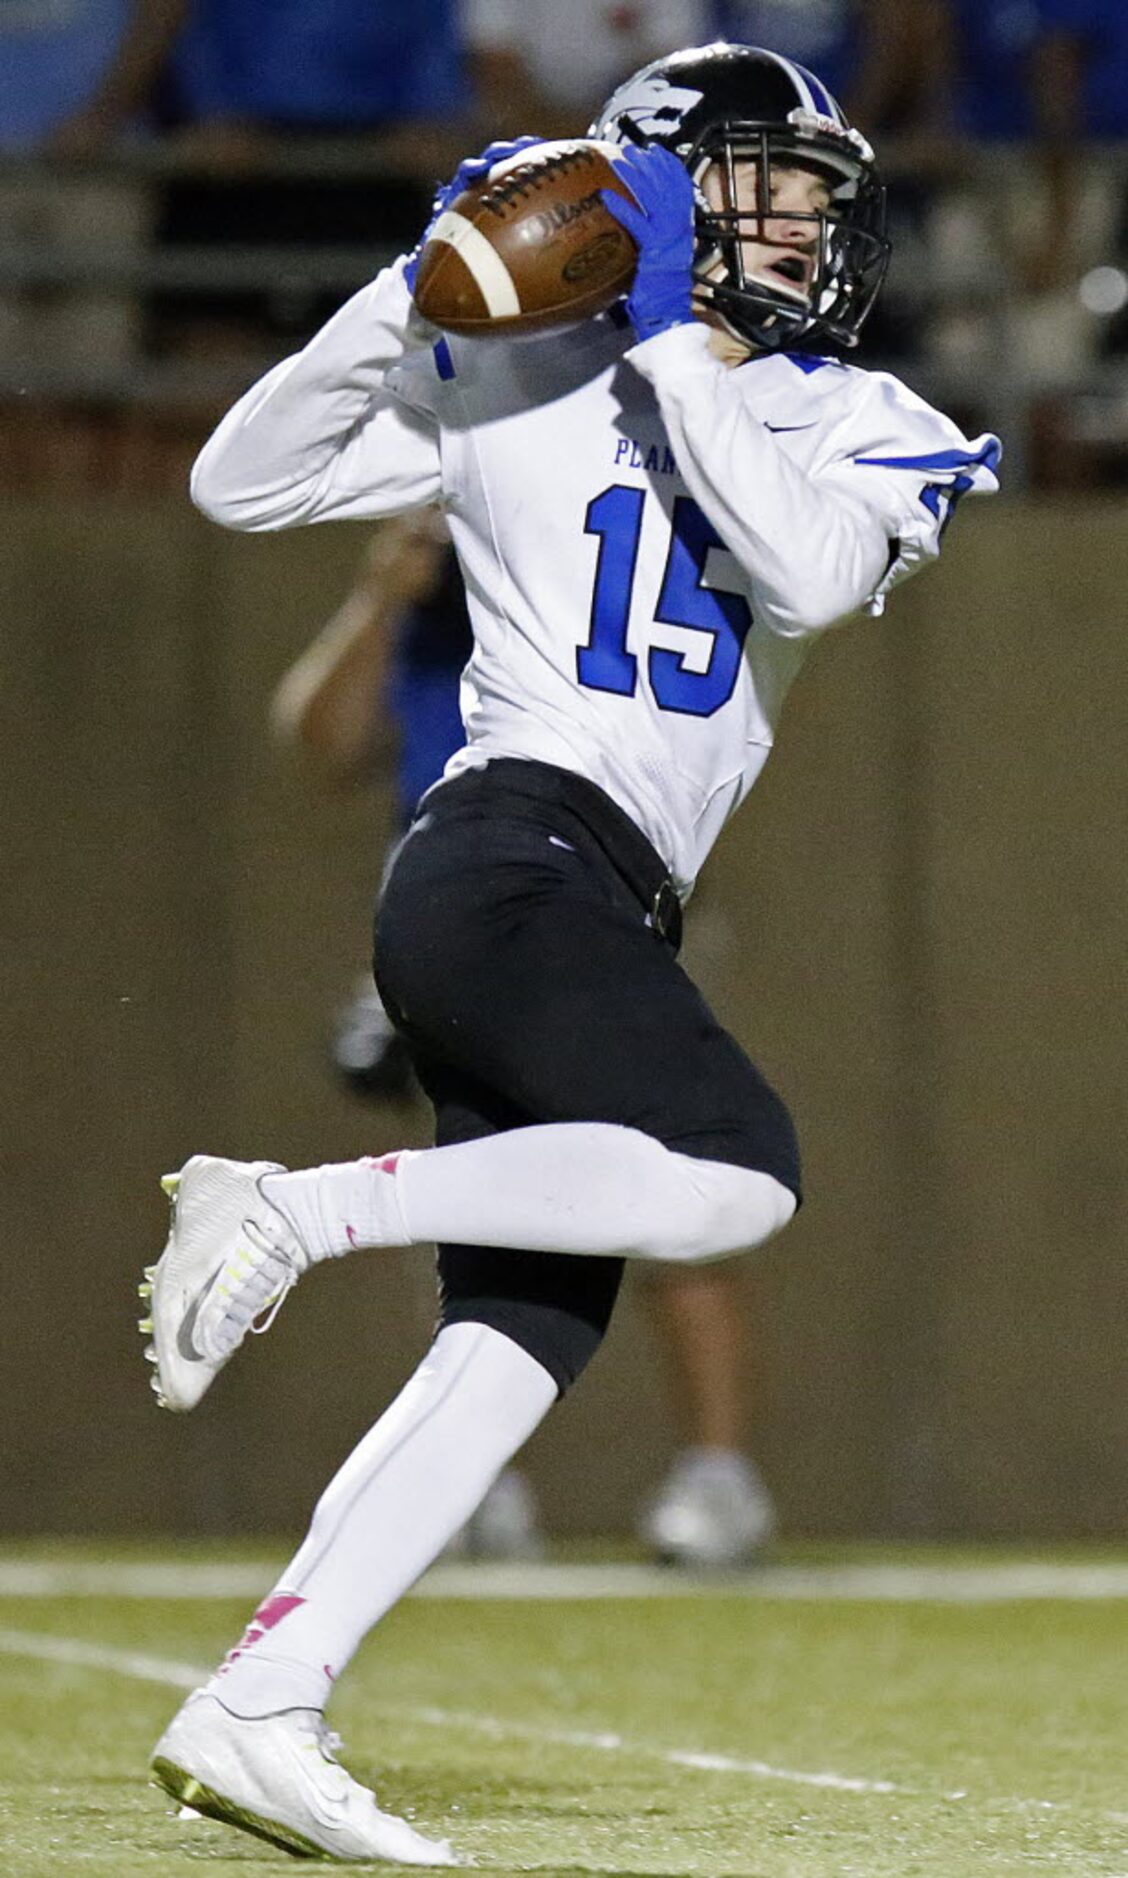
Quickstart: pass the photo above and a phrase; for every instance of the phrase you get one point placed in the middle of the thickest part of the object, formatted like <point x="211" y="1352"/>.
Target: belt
<point x="530" y="787"/>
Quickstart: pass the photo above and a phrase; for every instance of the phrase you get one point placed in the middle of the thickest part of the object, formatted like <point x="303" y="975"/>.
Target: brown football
<point x="530" y="247"/>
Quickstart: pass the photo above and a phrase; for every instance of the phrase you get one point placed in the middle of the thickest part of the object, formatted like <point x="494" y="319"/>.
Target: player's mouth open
<point x="790" y="270"/>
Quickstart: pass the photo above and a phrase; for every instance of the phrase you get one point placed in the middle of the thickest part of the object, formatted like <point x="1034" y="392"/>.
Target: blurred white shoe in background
<point x="712" y="1509"/>
<point x="504" y="1526"/>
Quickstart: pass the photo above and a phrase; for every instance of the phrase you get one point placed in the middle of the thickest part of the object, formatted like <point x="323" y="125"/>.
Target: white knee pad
<point x="593" y="1188"/>
<point x="723" y="1209"/>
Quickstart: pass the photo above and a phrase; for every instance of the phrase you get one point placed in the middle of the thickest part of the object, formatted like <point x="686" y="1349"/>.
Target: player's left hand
<point x="662" y="226"/>
<point x="470" y="171"/>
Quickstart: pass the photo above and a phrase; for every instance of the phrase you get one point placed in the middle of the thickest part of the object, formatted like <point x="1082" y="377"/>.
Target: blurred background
<point x="923" y="911"/>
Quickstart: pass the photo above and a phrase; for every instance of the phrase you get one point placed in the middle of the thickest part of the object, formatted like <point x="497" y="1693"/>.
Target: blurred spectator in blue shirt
<point x="330" y="65"/>
<point x="1086" y="49"/>
<point x="1022" y="69"/>
<point x="230" y="75"/>
<point x="1054" y="74"/>
<point x="995" y="43"/>
<point x="53" y="57"/>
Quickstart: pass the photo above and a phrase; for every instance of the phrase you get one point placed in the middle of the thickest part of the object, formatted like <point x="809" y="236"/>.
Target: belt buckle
<point x="665" y="912"/>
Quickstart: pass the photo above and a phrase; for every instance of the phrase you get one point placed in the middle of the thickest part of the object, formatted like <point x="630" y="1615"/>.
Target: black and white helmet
<point x="722" y="103"/>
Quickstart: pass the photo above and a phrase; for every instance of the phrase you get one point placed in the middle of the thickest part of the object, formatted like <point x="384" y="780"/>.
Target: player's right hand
<point x="469" y="171"/>
<point x="662" y="226"/>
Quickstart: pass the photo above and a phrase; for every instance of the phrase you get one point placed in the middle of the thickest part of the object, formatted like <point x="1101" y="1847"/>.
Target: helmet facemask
<point x="849" y="250"/>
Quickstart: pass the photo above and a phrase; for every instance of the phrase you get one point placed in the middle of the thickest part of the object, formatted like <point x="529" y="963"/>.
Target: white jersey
<point x="650" y="540"/>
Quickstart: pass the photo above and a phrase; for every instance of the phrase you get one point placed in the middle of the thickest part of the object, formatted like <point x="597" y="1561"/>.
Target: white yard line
<point x="79" y="1578"/>
<point x="73" y="1652"/>
<point x="611" y="1743"/>
<point x="955" y="1583"/>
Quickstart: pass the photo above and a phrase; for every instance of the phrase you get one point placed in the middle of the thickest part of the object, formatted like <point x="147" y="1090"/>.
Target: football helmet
<point x="723" y="104"/>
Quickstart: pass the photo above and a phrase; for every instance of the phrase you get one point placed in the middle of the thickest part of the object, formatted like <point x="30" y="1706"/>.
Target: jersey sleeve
<point x="343" y="430"/>
<point x="822" y="539"/>
<point x="813" y="550"/>
<point x="910" y="466"/>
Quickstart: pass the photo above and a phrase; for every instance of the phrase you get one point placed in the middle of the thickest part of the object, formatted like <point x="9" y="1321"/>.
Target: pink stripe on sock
<point x="265" y="1618"/>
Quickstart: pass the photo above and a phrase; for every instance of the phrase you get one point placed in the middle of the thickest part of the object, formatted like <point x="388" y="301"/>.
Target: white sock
<point x="344" y="1205"/>
<point x="405" y="1491"/>
<point x="581" y="1187"/>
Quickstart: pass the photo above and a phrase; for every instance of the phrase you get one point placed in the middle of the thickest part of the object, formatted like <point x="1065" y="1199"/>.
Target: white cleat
<point x="712" y="1511"/>
<point x="230" y="1256"/>
<point x="276" y="1777"/>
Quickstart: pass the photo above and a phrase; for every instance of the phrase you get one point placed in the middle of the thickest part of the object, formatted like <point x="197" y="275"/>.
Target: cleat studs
<point x="145" y="1326"/>
<point x="150" y="1272"/>
<point x="145" y="1289"/>
<point x="150" y="1353"/>
<point x="169" y="1184"/>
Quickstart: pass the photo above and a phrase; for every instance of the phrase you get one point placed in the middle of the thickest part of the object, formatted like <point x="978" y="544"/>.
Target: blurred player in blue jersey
<point x="656" y="513"/>
<point x="378" y="687"/>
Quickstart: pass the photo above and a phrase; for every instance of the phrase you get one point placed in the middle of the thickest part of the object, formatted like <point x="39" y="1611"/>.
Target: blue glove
<point x="470" y="171"/>
<point x="662" y="226"/>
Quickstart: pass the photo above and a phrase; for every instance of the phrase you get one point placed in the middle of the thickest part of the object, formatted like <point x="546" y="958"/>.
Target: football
<point x="530" y="247"/>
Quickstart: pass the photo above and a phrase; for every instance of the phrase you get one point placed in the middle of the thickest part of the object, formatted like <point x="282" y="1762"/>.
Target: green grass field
<point x="754" y="1729"/>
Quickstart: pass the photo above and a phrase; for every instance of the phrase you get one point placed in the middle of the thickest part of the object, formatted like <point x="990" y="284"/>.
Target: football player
<point x="657" y="513"/>
<point x="392" y="655"/>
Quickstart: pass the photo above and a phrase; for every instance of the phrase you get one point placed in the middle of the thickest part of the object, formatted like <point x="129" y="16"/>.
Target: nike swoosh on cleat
<point x="778" y="427"/>
<point x="329" y="1811"/>
<point x="187" y="1324"/>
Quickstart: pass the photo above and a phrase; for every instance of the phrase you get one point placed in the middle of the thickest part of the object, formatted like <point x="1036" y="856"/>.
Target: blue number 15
<point x="604" y="662"/>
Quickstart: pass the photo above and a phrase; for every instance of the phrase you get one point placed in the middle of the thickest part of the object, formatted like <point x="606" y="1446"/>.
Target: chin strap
<point x="772" y="333"/>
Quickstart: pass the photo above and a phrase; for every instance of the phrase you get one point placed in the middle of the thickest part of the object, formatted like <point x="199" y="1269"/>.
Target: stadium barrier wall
<point x="932" y="922"/>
